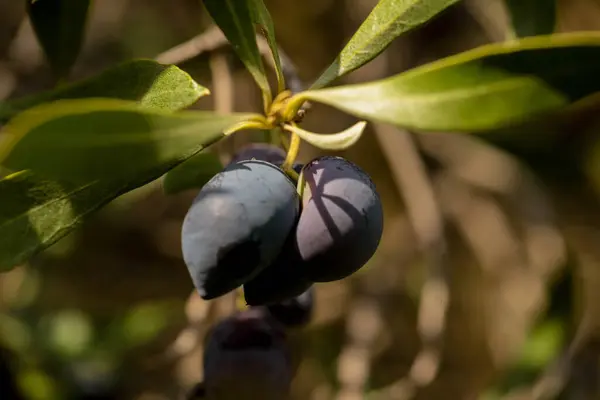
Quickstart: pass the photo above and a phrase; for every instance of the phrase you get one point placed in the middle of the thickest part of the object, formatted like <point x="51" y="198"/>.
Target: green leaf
<point x="23" y="197"/>
<point x="335" y="141"/>
<point x="192" y="173"/>
<point x="59" y="26"/>
<point x="486" y="88"/>
<point x="388" y="20"/>
<point x="75" y="156"/>
<point x="263" y="19"/>
<point x="532" y="17"/>
<point x="236" y="20"/>
<point x="153" y="85"/>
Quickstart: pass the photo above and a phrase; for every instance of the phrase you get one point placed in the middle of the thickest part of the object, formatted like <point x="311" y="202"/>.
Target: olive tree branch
<point x="425" y="215"/>
<point x="223" y="90"/>
<point x="363" y="326"/>
<point x="213" y="39"/>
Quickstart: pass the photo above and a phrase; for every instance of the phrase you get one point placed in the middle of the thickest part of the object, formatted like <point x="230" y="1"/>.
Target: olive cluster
<point x="249" y="226"/>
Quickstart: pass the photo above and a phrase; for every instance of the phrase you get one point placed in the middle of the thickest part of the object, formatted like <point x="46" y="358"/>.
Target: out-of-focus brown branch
<point x="223" y="95"/>
<point x="473" y="171"/>
<point x="548" y="386"/>
<point x="577" y="367"/>
<point x="425" y="215"/>
<point x="213" y="39"/>
<point x="492" y="17"/>
<point x="362" y="329"/>
<point x="209" y="40"/>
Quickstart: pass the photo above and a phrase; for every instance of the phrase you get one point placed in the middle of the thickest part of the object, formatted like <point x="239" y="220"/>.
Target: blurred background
<point x="513" y="233"/>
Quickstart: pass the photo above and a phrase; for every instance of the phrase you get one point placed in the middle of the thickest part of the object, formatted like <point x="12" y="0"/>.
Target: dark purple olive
<point x="282" y="280"/>
<point x="247" y="358"/>
<point x="237" y="225"/>
<point x="341" y="221"/>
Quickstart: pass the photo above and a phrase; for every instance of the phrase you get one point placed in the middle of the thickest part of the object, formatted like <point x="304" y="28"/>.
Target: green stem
<point x="240" y="301"/>
<point x="285" y="143"/>
<point x="267" y="101"/>
<point x="275" y="137"/>
<point x="291" y="156"/>
<point x="245" y="125"/>
<point x="293" y="105"/>
<point x="280" y="80"/>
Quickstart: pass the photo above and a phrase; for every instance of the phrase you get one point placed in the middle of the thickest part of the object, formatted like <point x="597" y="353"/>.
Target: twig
<point x="213" y="39"/>
<point x="492" y="16"/>
<point x="363" y="327"/>
<point x="478" y="216"/>
<point x="223" y="94"/>
<point x="425" y="215"/>
<point x="577" y="366"/>
<point x="209" y="40"/>
<point x="471" y="166"/>
<point x="548" y="386"/>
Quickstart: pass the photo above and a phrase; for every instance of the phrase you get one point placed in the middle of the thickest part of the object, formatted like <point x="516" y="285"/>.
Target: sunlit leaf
<point x="192" y="173"/>
<point x="334" y="141"/>
<point x="236" y="20"/>
<point x="59" y="26"/>
<point x="388" y="20"/>
<point x="75" y="156"/>
<point x="532" y="17"/>
<point x="153" y="85"/>
<point x="263" y="19"/>
<point x="482" y="89"/>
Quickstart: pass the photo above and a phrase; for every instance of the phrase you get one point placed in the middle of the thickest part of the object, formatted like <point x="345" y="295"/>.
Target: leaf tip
<point x="360" y="126"/>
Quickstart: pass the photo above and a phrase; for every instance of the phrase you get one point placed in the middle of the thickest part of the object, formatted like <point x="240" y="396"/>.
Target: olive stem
<point x="300" y="185"/>
<point x="293" y="106"/>
<point x="239" y="299"/>
<point x="267" y="101"/>
<point x="284" y="141"/>
<point x="275" y="137"/>
<point x="292" y="154"/>
<point x="250" y="124"/>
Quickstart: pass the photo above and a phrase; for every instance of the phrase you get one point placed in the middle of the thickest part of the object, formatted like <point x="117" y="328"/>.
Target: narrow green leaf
<point x="334" y="141"/>
<point x="192" y="173"/>
<point x="75" y="156"/>
<point x="29" y="209"/>
<point x="532" y="17"/>
<point x="388" y="20"/>
<point x="59" y="26"/>
<point x="490" y="87"/>
<point x="263" y="19"/>
<point x="153" y="85"/>
<point x="236" y="20"/>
